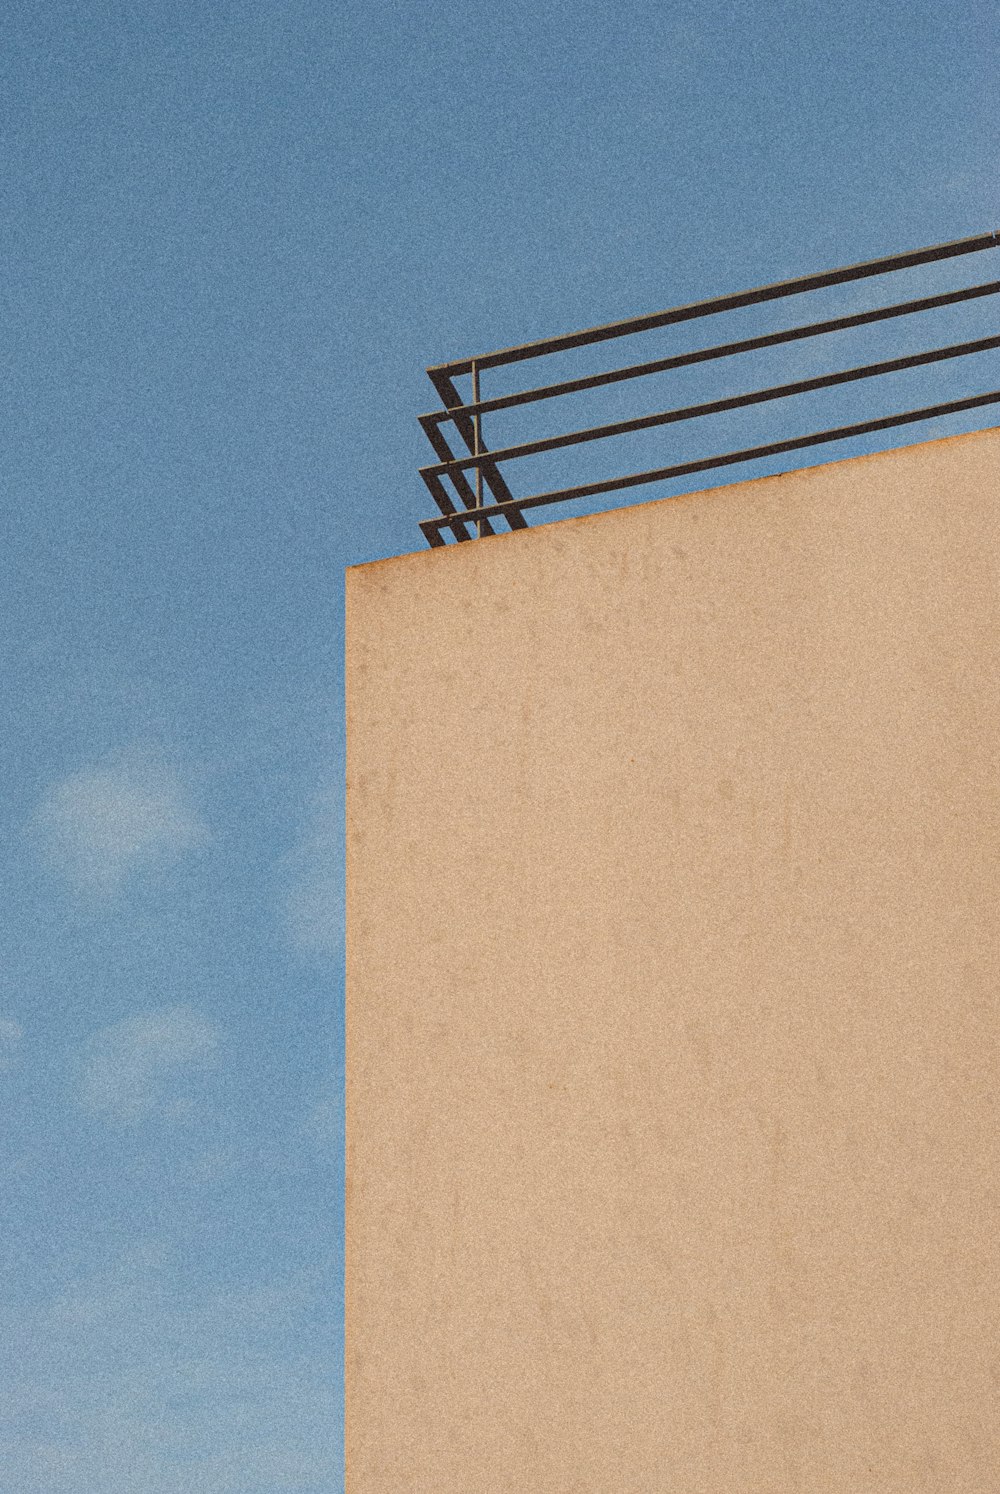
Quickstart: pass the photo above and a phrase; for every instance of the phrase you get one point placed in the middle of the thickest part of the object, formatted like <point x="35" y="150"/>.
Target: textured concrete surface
<point x="672" y="995"/>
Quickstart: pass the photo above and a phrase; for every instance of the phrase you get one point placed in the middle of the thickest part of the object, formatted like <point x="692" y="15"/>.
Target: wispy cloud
<point x="11" y="1034"/>
<point x="143" y="1065"/>
<point x="312" y="882"/>
<point x="130" y="1381"/>
<point x="103" y="824"/>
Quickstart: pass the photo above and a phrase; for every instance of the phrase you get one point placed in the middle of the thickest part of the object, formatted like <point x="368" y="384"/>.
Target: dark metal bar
<point x="717" y="406"/>
<point x="477" y="434"/>
<point x="436" y="418"/>
<point x="493" y="476"/>
<point x="439" y="493"/>
<point x="431" y="533"/>
<point x="713" y="306"/>
<point x="749" y="454"/>
<point x="471" y="496"/>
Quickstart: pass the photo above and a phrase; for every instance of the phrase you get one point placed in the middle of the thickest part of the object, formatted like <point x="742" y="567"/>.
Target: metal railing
<point x="467" y="511"/>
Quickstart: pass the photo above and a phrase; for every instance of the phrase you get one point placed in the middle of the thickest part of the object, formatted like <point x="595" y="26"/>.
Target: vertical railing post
<point x="477" y="443"/>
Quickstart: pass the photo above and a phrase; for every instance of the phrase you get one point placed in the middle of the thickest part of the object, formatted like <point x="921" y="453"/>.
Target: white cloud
<point x="135" y="1068"/>
<point x="101" y="825"/>
<point x="11" y="1033"/>
<point x="312" y="882"/>
<point x="130" y="1382"/>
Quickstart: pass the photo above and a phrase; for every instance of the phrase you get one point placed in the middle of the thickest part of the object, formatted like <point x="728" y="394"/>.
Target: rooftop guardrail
<point x="467" y="511"/>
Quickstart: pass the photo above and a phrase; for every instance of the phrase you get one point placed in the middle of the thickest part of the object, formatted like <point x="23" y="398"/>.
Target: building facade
<point x="672" y="994"/>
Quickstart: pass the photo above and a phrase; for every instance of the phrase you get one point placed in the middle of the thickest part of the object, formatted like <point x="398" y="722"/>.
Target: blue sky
<point x="234" y="236"/>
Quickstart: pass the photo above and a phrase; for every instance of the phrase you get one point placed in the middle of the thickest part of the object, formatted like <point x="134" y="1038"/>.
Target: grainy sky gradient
<point x="234" y="236"/>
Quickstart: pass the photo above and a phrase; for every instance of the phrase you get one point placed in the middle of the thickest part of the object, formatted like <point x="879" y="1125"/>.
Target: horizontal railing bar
<point x="468" y="496"/>
<point x="492" y="475"/>
<point x="438" y="492"/>
<point x="436" y="418"/>
<point x="463" y="487"/>
<point x="717" y="304"/>
<point x="714" y="407"/>
<point x="731" y="458"/>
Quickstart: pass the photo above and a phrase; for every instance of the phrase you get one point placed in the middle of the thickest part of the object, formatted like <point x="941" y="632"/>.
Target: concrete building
<point x="672" y="995"/>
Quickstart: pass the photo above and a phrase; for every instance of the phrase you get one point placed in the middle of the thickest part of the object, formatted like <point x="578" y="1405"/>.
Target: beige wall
<point x="672" y="995"/>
